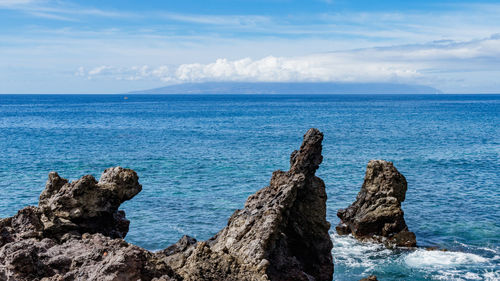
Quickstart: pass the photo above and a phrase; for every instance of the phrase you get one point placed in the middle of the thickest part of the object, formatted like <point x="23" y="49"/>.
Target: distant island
<point x="290" y="88"/>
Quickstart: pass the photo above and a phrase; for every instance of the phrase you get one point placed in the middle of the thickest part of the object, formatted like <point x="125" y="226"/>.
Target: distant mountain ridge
<point x="290" y="88"/>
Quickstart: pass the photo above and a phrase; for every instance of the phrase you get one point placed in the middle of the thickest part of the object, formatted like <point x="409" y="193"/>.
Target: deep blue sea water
<point x="199" y="157"/>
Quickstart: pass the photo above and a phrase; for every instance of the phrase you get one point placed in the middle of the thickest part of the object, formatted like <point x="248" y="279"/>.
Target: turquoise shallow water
<point x="199" y="157"/>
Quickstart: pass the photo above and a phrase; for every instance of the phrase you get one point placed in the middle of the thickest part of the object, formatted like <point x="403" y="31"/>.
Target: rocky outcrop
<point x="87" y="205"/>
<point x="280" y="234"/>
<point x="91" y="257"/>
<point x="77" y="231"/>
<point x="376" y="214"/>
<point x="69" y="236"/>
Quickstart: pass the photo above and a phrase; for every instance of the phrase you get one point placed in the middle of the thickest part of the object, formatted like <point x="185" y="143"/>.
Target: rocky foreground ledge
<point x="77" y="231"/>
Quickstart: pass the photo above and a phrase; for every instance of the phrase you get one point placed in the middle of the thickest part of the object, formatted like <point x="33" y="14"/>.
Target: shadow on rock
<point x="376" y="214"/>
<point x="77" y="231"/>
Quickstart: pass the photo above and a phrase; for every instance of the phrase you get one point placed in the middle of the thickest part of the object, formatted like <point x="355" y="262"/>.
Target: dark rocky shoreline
<point x="76" y="232"/>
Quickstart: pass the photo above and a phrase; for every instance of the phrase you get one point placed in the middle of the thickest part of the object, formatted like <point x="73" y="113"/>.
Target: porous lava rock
<point x="376" y="214"/>
<point x="77" y="231"/>
<point x="280" y="234"/>
<point x="88" y="205"/>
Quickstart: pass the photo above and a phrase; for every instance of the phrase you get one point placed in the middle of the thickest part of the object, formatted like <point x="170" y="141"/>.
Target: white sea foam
<point x="473" y="276"/>
<point x="492" y="275"/>
<point x="488" y="250"/>
<point x="354" y="254"/>
<point x="423" y="258"/>
<point x="354" y="257"/>
<point x="458" y="275"/>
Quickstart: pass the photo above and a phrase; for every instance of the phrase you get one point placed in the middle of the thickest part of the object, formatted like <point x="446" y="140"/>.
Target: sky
<point x="91" y="46"/>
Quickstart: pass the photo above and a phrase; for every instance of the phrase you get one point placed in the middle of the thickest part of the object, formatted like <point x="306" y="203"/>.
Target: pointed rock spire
<point x="280" y="234"/>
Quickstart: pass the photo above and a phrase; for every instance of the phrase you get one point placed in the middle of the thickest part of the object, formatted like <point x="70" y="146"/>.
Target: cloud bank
<point x="423" y="63"/>
<point x="74" y="47"/>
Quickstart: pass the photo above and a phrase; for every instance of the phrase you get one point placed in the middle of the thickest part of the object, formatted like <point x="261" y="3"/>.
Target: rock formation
<point x="87" y="205"/>
<point x="69" y="236"/>
<point x="280" y="234"/>
<point x="77" y="231"/>
<point x="376" y="214"/>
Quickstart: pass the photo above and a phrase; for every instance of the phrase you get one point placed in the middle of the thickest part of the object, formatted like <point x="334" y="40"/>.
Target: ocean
<point x="200" y="156"/>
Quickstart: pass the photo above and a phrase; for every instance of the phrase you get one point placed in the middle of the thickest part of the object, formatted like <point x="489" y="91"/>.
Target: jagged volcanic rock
<point x="76" y="232"/>
<point x="376" y="214"/>
<point x="281" y="234"/>
<point x="92" y="257"/>
<point x="86" y="205"/>
<point x="53" y="241"/>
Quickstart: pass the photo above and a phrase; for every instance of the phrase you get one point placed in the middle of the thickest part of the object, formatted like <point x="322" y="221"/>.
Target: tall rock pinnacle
<point x="280" y="234"/>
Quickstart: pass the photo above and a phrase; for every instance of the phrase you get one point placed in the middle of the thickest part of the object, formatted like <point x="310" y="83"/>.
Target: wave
<point x="354" y="258"/>
<point x="423" y="258"/>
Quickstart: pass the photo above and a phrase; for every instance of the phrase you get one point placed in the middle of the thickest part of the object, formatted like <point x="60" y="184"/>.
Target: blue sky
<point x="120" y="46"/>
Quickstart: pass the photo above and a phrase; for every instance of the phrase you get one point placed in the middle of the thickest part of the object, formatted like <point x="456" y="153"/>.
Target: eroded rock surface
<point x="280" y="234"/>
<point x="69" y="236"/>
<point x="77" y="231"/>
<point x="376" y="214"/>
<point x="87" y="205"/>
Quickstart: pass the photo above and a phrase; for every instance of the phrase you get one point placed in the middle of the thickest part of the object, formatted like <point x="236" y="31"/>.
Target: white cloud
<point x="80" y="71"/>
<point x="458" y="21"/>
<point x="11" y="3"/>
<point x="159" y="46"/>
<point x="229" y="20"/>
<point x="58" y="10"/>
<point x="52" y="16"/>
<point x="405" y="64"/>
<point x="99" y="70"/>
<point x="132" y="73"/>
<point x="321" y="67"/>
